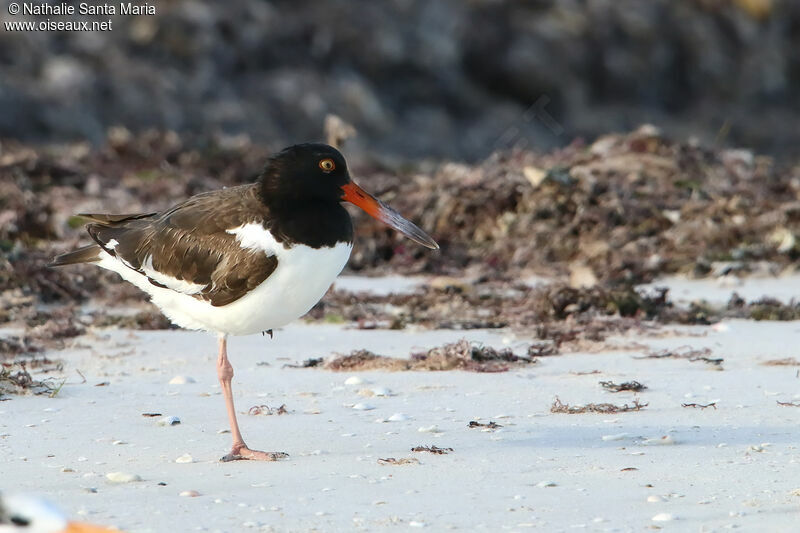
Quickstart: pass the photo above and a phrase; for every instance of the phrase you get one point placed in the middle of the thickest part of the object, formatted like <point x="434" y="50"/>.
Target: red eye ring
<point x="327" y="165"/>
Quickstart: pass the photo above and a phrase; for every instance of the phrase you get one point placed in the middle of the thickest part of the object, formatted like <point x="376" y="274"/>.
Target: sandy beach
<point x="672" y="464"/>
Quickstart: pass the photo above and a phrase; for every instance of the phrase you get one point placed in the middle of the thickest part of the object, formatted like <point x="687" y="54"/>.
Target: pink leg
<point x="239" y="450"/>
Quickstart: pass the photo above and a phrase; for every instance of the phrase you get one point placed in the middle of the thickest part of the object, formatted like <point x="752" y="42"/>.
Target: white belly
<point x="300" y="280"/>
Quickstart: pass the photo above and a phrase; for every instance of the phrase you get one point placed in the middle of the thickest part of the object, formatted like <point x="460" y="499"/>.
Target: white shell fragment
<point x="185" y="458"/>
<point x="663" y="517"/>
<point x="189" y="493"/>
<point x="618" y="436"/>
<point x="354" y="380"/>
<point x="122" y="477"/>
<point x="398" y="417"/>
<point x="363" y="407"/>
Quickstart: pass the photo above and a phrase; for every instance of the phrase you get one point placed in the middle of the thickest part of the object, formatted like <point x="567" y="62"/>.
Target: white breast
<point x="300" y="280"/>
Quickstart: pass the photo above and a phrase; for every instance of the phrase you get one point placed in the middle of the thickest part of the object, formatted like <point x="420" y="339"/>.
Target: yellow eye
<point x="327" y="165"/>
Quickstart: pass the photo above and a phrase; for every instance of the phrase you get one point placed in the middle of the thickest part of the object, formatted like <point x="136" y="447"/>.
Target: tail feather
<point x="91" y="253"/>
<point x="86" y="254"/>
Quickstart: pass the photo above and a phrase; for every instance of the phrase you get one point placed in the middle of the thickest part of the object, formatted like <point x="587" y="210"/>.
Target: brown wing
<point x="187" y="248"/>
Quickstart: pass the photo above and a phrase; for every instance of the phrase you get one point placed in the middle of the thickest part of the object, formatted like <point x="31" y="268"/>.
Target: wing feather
<point x="187" y="249"/>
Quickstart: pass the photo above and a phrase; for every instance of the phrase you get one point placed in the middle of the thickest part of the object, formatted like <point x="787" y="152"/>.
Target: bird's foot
<point x="243" y="453"/>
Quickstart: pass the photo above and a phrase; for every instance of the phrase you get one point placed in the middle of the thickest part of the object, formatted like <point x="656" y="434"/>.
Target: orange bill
<point x="357" y="196"/>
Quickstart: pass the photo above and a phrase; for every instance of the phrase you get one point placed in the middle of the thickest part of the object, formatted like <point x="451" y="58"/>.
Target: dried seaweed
<point x="15" y="379"/>
<point x="603" y="408"/>
<point x="432" y="449"/>
<point x="700" y="405"/>
<point x="634" y="386"/>
<point x="787" y="361"/>
<point x="461" y="355"/>
<point x="687" y="352"/>
<point x="484" y="425"/>
<point x="401" y="461"/>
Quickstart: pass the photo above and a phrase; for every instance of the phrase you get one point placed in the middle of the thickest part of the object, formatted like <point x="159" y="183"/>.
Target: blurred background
<point x="447" y="79"/>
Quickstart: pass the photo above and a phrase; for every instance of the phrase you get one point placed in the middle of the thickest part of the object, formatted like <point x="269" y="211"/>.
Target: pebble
<point x="181" y="380"/>
<point x="398" y="417"/>
<point x="655" y="498"/>
<point x="363" y="407"/>
<point x="543" y="484"/>
<point x="663" y="517"/>
<point x="354" y="380"/>
<point x="415" y="523"/>
<point x="190" y="493"/>
<point x="67" y="469"/>
<point x="185" y="458"/>
<point x="122" y="477"/>
<point x="169" y="421"/>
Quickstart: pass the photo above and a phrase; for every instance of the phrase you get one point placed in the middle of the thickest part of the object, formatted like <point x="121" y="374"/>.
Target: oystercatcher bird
<point x="244" y="259"/>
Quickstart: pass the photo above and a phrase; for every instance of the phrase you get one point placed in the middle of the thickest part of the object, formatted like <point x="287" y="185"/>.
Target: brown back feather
<point x="190" y="243"/>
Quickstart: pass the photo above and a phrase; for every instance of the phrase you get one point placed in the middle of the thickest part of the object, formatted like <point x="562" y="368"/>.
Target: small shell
<point x="185" y="458"/>
<point x="363" y="407"/>
<point x="398" y="417"/>
<point x="190" y="493"/>
<point x="354" y="380"/>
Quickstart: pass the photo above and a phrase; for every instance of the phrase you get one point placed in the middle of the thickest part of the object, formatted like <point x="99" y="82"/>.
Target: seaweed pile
<point x="604" y="217"/>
